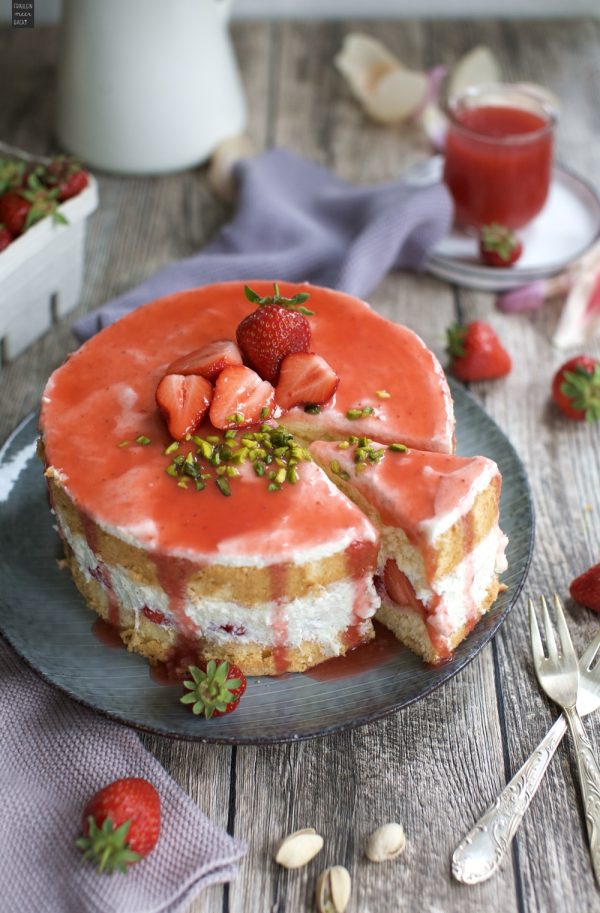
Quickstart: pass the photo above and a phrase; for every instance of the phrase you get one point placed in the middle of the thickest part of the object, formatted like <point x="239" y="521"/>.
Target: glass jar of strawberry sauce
<point x="499" y="154"/>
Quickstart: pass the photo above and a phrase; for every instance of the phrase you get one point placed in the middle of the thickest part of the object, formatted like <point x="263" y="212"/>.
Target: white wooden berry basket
<point x="41" y="273"/>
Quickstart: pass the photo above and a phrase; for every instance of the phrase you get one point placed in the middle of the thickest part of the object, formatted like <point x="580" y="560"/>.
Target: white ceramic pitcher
<point x="146" y="86"/>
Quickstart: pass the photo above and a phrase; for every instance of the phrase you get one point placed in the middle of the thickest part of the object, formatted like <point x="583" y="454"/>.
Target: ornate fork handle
<point x="482" y="850"/>
<point x="589" y="779"/>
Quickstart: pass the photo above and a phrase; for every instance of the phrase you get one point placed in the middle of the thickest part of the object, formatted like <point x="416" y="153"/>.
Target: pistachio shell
<point x="387" y="90"/>
<point x="387" y="842"/>
<point x="333" y="890"/>
<point x="298" y="848"/>
<point x="476" y="68"/>
<point x="224" y="159"/>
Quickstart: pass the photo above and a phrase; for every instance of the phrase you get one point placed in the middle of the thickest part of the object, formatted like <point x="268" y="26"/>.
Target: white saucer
<point x="566" y="227"/>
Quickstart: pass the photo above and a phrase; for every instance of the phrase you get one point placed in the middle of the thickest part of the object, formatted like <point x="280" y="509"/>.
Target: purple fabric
<point x="54" y="755"/>
<point x="297" y="221"/>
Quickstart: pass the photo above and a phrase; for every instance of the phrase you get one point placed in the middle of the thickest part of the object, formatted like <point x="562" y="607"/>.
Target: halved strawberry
<point x="399" y="587"/>
<point x="208" y="361"/>
<point x="241" y="398"/>
<point x="305" y="377"/>
<point x="183" y="402"/>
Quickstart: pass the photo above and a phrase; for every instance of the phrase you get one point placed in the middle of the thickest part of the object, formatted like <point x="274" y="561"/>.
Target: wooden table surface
<point x="436" y="765"/>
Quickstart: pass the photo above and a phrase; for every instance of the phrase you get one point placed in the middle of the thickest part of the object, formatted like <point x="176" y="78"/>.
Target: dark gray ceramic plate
<point x="44" y="618"/>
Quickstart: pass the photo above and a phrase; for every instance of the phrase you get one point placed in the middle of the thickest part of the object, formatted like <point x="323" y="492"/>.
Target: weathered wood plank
<point x="564" y="467"/>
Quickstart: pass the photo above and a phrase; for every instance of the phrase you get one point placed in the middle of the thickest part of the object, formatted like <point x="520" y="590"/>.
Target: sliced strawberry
<point x="399" y="587"/>
<point x="585" y="589"/>
<point x="241" y="399"/>
<point x="305" y="378"/>
<point x="208" y="361"/>
<point x="184" y="402"/>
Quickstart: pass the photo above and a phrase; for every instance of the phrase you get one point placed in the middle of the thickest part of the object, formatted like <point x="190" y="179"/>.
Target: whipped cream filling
<point x="462" y="591"/>
<point x="320" y="616"/>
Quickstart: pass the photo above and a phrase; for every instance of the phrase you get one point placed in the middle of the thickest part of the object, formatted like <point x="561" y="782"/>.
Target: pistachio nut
<point x="298" y="848"/>
<point x="387" y="842"/>
<point x="333" y="890"/>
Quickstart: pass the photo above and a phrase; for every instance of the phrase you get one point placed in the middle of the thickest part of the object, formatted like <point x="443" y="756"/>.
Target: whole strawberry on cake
<point x="197" y="518"/>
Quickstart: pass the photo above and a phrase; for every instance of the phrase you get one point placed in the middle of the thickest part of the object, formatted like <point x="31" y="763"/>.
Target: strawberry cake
<point x="201" y="522"/>
<point x="441" y="546"/>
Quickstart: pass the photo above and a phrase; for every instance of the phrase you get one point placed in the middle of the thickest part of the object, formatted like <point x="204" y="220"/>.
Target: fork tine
<point x="537" y="647"/>
<point x="590" y="654"/>
<point x="549" y="629"/>
<point x="566" y="644"/>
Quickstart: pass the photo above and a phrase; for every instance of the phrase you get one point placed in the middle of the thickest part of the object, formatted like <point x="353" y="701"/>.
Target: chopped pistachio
<point x="398" y="448"/>
<point x="172" y="448"/>
<point x="273" y="486"/>
<point x="312" y="408"/>
<point x="182" y="483"/>
<point x="353" y="414"/>
<point x="264" y="412"/>
<point x="200" y="485"/>
<point x="213" y="439"/>
<point x="123" y="444"/>
<point x="232" y="471"/>
<point x="259" y="468"/>
<point x="368" y="410"/>
<point x="171" y="470"/>
<point x="334" y="466"/>
<point x="239" y="418"/>
<point x="343" y="445"/>
<point x="292" y="475"/>
<point x="280" y="476"/>
<point x="223" y="486"/>
<point x="143" y="440"/>
<point x="383" y="394"/>
<point x="230" y="434"/>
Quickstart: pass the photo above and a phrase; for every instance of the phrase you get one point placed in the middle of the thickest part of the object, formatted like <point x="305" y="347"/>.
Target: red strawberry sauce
<point x="498" y="165"/>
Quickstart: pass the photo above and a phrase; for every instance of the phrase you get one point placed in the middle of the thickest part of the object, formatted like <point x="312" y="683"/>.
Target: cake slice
<point x="441" y="546"/>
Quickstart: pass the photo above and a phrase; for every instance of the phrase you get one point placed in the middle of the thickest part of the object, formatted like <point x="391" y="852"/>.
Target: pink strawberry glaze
<point x="422" y="493"/>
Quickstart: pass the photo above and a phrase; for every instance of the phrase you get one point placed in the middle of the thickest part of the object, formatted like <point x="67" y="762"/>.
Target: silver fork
<point x="559" y="677"/>
<point x="481" y="852"/>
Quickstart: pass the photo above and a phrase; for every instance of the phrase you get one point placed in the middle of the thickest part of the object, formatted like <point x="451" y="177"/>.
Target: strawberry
<point x="498" y="245"/>
<point x="585" y="589"/>
<point x="241" y="399"/>
<point x="5" y="237"/>
<point x="576" y="388"/>
<point x="305" y="378"/>
<point x="121" y="824"/>
<point x="11" y="174"/>
<point x="208" y="361"/>
<point x="20" y="209"/>
<point x="184" y="402"/>
<point x="476" y="353"/>
<point x="215" y="690"/>
<point x="67" y="175"/>
<point x="13" y="212"/>
<point x="275" y="329"/>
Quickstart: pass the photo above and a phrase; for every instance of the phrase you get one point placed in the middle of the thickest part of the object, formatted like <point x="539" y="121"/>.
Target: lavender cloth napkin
<point x="298" y="221"/>
<point x="54" y="755"/>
